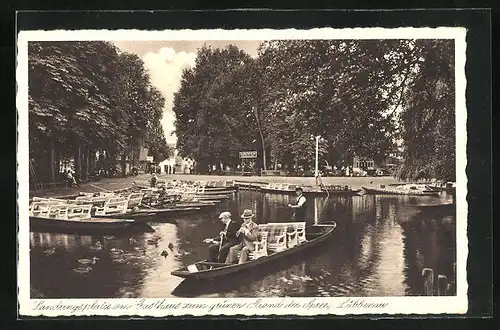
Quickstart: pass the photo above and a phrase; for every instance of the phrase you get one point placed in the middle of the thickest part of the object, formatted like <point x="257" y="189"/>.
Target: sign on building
<point x="248" y="154"/>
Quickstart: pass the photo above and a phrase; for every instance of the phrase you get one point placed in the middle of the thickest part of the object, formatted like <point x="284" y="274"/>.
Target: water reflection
<point x="380" y="247"/>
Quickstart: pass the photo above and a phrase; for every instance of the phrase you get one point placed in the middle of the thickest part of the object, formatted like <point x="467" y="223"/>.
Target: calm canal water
<point x="381" y="245"/>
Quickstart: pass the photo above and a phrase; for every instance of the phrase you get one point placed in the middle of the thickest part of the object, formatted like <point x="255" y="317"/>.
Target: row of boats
<point x="132" y="208"/>
<point x="414" y="189"/>
<point x="123" y="210"/>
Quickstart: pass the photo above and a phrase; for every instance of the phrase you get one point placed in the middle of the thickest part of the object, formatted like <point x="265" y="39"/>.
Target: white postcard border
<point x="247" y="306"/>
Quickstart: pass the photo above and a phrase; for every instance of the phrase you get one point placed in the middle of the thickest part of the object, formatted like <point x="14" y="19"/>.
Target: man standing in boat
<point x="247" y="233"/>
<point x="300" y="208"/>
<point x="217" y="252"/>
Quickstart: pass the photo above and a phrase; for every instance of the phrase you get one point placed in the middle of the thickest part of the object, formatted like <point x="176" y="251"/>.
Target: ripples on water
<point x="380" y="247"/>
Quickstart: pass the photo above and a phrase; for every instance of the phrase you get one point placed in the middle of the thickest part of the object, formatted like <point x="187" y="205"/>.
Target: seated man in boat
<point x="247" y="234"/>
<point x="300" y="206"/>
<point x="218" y="251"/>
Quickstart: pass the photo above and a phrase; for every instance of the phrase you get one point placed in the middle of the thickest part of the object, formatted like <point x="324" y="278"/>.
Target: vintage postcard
<point x="242" y="172"/>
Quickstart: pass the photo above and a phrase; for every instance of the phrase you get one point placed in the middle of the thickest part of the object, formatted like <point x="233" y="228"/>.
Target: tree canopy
<point x="85" y="97"/>
<point x="360" y="96"/>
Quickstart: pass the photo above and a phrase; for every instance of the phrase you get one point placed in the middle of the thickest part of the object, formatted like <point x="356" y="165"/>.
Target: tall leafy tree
<point x="86" y="97"/>
<point x="428" y="116"/>
<point x="203" y="109"/>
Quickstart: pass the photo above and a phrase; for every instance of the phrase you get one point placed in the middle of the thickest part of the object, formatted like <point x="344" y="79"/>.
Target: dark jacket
<point x="233" y="227"/>
<point x="300" y="213"/>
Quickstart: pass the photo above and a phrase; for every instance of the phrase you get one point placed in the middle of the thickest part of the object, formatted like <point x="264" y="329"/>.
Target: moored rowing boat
<point x="289" y="189"/>
<point x="412" y="190"/>
<point x="76" y="219"/>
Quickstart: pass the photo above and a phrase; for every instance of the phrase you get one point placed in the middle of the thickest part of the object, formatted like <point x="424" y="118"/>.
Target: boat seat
<point x="112" y="207"/>
<point x="191" y="190"/>
<point x="78" y="212"/>
<point x="84" y="199"/>
<point x="100" y="199"/>
<point x="60" y="201"/>
<point x="291" y="237"/>
<point x="297" y="234"/>
<point x="260" y="247"/>
<point x="117" y="199"/>
<point x="276" y="239"/>
<point x="86" y="194"/>
<point x="134" y="199"/>
<point x="58" y="211"/>
<point x="41" y="208"/>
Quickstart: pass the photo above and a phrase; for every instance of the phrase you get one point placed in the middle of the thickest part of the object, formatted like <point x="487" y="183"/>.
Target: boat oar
<point x="220" y="246"/>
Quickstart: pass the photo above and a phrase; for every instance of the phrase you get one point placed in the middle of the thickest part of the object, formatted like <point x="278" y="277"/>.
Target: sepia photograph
<point x="224" y="172"/>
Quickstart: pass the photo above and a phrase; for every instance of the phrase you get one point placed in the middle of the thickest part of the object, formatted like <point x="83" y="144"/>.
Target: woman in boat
<point x="218" y="251"/>
<point x="300" y="207"/>
<point x="247" y="234"/>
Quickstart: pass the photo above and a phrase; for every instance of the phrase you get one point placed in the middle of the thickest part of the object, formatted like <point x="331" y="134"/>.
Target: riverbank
<point x="122" y="183"/>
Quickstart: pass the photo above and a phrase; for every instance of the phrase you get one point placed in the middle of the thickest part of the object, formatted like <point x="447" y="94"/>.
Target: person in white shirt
<point x="300" y="206"/>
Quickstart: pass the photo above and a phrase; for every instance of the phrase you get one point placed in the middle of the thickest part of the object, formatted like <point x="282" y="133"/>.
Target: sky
<point x="165" y="61"/>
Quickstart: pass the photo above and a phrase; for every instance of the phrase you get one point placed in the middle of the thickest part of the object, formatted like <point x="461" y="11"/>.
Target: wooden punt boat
<point x="204" y="270"/>
<point x="76" y="219"/>
<point x="150" y="214"/>
<point x="436" y="208"/>
<point x="289" y="189"/>
<point x="205" y="191"/>
<point x="203" y="197"/>
<point x="413" y="190"/>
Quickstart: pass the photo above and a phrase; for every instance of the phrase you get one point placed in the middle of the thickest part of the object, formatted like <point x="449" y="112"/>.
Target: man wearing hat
<point x="300" y="208"/>
<point x="217" y="252"/>
<point x="247" y="234"/>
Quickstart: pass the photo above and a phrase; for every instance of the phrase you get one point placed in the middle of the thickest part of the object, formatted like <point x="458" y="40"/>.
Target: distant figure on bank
<point x="300" y="207"/>
<point x="248" y="235"/>
<point x="71" y="179"/>
<point x="153" y="180"/>
<point x="218" y="251"/>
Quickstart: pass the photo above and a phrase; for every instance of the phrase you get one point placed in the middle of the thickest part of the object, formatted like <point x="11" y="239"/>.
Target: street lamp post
<point x="255" y="111"/>
<point x="316" y="172"/>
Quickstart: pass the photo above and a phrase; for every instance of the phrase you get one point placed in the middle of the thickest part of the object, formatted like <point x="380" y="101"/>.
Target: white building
<point x="176" y="164"/>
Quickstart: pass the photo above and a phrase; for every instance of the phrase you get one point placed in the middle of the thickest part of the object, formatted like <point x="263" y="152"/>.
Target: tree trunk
<point x="78" y="159"/>
<point x="52" y="160"/>
<point x="124" y="164"/>
<point x="86" y="163"/>
<point x="91" y="161"/>
<point x="58" y="163"/>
